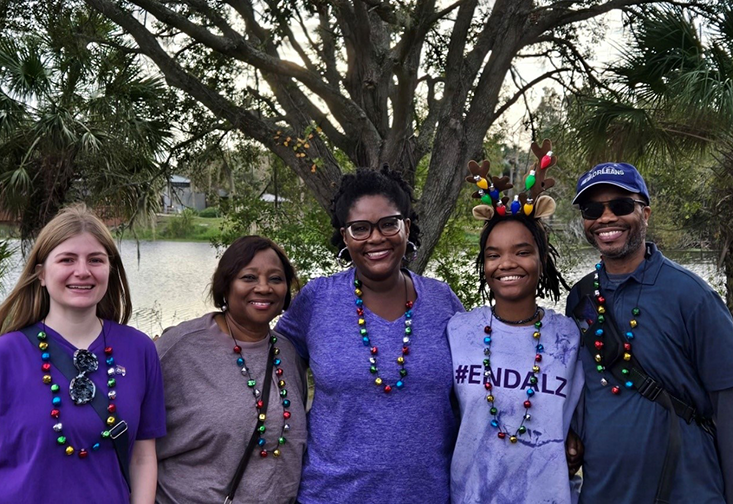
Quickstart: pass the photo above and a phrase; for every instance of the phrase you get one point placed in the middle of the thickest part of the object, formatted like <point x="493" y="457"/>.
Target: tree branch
<point x="263" y="131"/>
<point x="526" y="87"/>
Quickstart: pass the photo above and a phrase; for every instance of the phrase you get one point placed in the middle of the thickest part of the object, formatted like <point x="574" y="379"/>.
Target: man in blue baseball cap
<point x="657" y="368"/>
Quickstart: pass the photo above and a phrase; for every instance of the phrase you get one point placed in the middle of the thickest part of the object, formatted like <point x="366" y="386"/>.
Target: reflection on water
<point x="169" y="281"/>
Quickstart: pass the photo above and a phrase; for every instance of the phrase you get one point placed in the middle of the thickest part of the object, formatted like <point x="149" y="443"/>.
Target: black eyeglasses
<point x="593" y="210"/>
<point x="81" y="388"/>
<point x="362" y="229"/>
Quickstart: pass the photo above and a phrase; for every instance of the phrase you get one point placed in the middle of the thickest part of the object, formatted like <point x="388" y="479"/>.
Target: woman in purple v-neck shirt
<point x="381" y="428"/>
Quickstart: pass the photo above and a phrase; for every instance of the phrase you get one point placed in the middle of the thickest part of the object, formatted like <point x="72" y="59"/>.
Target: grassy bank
<point x="180" y="227"/>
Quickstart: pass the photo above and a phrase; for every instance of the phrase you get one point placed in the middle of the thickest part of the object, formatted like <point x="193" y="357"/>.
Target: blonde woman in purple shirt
<point x="65" y="318"/>
<point x="381" y="428"/>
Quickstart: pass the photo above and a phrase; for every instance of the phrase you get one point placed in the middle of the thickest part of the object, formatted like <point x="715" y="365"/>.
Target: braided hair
<point x="550" y="277"/>
<point x="367" y="182"/>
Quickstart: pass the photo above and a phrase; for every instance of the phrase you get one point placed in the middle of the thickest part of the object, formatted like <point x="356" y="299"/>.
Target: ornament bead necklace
<point x="273" y="353"/>
<point x="600" y="332"/>
<point x="373" y="350"/>
<point x="503" y="432"/>
<point x="81" y="393"/>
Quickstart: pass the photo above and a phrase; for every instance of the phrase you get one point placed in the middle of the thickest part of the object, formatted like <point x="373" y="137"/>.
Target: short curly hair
<point x="367" y="182"/>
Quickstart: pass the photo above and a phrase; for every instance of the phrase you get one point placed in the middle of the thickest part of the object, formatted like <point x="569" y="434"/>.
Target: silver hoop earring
<point x="413" y="255"/>
<point x="340" y="258"/>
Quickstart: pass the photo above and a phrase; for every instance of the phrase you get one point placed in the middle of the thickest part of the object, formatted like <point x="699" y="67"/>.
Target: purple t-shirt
<point x="365" y="445"/>
<point x="33" y="467"/>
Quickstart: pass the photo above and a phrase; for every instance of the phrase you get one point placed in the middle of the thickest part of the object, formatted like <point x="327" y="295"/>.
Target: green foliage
<point x="6" y="252"/>
<point x="181" y="225"/>
<point x="667" y="107"/>
<point x="296" y="222"/>
<point x="79" y="119"/>
<point x="210" y="212"/>
<point x="454" y="258"/>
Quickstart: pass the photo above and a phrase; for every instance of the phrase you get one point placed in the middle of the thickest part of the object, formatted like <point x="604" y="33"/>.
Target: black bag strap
<point x="644" y="384"/>
<point x="234" y="483"/>
<point x="62" y="361"/>
<point x="647" y="386"/>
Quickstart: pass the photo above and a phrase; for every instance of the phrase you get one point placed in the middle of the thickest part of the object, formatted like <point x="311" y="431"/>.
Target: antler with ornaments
<point x="531" y="201"/>
<point x="489" y="190"/>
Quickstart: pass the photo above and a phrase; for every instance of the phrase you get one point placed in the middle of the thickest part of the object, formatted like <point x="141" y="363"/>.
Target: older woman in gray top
<point x="215" y="372"/>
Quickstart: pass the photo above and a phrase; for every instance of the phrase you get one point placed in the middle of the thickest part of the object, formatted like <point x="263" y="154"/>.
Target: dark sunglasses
<point x="81" y="388"/>
<point x="362" y="229"/>
<point x="593" y="210"/>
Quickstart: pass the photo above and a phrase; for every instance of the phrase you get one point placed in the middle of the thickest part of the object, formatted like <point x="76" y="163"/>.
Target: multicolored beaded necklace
<point x="503" y="432"/>
<point x="373" y="350"/>
<point x="61" y="440"/>
<point x="633" y="323"/>
<point x="273" y="353"/>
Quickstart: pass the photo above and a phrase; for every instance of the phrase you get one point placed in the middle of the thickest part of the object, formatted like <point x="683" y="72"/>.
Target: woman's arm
<point x="143" y="472"/>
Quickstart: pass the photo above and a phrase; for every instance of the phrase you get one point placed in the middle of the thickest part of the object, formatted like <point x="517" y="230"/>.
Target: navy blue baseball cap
<point x="621" y="175"/>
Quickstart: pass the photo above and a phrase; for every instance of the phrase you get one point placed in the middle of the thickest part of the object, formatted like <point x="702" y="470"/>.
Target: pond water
<point x="169" y="281"/>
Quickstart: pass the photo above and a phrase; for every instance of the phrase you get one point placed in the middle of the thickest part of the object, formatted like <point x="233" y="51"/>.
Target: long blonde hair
<point x="29" y="302"/>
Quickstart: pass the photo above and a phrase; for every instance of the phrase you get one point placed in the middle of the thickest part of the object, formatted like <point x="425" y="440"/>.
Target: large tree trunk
<point x="360" y="75"/>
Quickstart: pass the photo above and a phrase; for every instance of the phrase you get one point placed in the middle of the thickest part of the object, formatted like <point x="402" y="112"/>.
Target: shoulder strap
<point x="630" y="373"/>
<point x="234" y="483"/>
<point x="64" y="363"/>
<point x="647" y="386"/>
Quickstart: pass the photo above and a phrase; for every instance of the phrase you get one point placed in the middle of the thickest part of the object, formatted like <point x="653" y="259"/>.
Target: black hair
<point x="367" y="182"/>
<point x="550" y="277"/>
<point x="239" y="254"/>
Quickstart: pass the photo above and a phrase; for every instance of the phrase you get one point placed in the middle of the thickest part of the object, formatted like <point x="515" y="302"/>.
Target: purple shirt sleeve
<point x="295" y="321"/>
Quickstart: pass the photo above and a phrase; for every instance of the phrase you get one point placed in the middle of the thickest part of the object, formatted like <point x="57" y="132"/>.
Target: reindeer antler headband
<point x="530" y="202"/>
